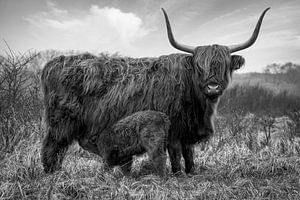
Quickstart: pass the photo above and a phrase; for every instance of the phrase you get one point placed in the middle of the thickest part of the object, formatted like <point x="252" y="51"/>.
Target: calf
<point x="141" y="132"/>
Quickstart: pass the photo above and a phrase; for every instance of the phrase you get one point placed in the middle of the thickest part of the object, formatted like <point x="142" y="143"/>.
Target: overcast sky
<point x="136" y="28"/>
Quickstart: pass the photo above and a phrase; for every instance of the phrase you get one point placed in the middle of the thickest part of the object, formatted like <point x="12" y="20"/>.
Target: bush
<point x="20" y="101"/>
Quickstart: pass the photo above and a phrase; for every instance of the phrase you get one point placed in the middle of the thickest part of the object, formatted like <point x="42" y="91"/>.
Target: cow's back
<point x="58" y="78"/>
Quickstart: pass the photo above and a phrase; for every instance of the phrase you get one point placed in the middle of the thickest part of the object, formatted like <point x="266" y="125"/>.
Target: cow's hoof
<point x="51" y="169"/>
<point x="202" y="168"/>
<point x="180" y="174"/>
<point x="191" y="174"/>
<point x="194" y="172"/>
<point x="191" y="171"/>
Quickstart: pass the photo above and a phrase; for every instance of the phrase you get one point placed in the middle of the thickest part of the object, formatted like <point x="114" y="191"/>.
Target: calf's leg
<point x="158" y="159"/>
<point x="126" y="165"/>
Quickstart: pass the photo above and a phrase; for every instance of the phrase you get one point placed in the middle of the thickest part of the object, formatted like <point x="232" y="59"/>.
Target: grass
<point x="231" y="171"/>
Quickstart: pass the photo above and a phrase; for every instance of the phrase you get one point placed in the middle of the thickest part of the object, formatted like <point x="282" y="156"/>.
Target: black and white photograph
<point x="149" y="99"/>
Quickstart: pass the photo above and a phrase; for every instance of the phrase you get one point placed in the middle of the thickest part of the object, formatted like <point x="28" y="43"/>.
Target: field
<point x="254" y="153"/>
<point x="226" y="169"/>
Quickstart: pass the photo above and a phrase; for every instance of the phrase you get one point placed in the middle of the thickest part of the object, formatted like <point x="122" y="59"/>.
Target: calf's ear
<point x="236" y="62"/>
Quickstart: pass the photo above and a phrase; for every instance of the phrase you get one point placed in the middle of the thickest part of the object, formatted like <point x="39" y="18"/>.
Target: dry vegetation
<point x="225" y="170"/>
<point x="236" y="164"/>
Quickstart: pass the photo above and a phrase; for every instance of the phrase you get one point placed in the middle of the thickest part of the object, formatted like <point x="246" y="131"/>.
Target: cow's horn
<point x="249" y="42"/>
<point x="174" y="43"/>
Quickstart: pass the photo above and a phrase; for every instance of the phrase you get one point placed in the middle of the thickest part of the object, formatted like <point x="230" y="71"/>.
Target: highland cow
<point x="85" y="94"/>
<point x="141" y="132"/>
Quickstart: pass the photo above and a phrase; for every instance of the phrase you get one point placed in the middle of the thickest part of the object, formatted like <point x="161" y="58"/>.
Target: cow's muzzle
<point x="213" y="91"/>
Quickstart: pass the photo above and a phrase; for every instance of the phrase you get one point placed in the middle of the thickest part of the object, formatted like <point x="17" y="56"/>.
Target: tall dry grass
<point x="225" y="170"/>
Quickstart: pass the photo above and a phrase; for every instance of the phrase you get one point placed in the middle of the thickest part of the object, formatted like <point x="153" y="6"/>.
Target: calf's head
<point x="213" y="65"/>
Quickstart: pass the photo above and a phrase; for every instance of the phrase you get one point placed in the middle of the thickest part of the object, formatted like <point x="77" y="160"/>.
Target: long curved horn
<point x="174" y="43"/>
<point x="249" y="42"/>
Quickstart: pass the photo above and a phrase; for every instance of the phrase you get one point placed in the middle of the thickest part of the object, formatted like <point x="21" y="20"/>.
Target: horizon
<point x="137" y="28"/>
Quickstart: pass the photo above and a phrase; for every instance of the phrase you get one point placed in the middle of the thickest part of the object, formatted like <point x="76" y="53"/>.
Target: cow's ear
<point x="236" y="62"/>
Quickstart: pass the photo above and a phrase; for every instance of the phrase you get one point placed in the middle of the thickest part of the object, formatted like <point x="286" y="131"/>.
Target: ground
<point x="231" y="171"/>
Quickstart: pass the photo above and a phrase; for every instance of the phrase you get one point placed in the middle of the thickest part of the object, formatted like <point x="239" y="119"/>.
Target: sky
<point x="136" y="28"/>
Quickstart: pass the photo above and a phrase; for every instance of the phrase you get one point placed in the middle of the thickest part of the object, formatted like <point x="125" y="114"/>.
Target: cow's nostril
<point x="213" y="87"/>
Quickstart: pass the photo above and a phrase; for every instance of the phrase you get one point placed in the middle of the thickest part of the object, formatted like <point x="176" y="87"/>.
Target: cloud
<point x="98" y="29"/>
<point x="56" y="11"/>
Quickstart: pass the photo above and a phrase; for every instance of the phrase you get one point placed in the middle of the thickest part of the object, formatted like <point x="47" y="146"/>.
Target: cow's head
<point x="214" y="64"/>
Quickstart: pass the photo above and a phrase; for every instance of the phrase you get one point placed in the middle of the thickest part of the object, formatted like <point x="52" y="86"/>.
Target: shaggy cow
<point x="144" y="131"/>
<point x="85" y="94"/>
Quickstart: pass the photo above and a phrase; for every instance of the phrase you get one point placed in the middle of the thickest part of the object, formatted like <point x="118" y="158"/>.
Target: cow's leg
<point x="174" y="150"/>
<point x="54" y="150"/>
<point x="61" y="132"/>
<point x="188" y="155"/>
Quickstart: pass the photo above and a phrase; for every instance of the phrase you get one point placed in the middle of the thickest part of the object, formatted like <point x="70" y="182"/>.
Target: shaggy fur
<point x="85" y="95"/>
<point x="141" y="132"/>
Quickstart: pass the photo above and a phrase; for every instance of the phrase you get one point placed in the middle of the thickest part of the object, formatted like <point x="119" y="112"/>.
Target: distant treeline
<point x="288" y="72"/>
<point x="258" y="100"/>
